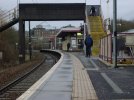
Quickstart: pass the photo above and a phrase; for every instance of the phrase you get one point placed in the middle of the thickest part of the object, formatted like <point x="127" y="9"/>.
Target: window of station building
<point x="63" y="38"/>
<point x="73" y="34"/>
<point x="79" y="34"/>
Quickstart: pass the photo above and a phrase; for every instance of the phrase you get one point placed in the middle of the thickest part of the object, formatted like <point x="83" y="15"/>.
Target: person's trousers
<point x="88" y="51"/>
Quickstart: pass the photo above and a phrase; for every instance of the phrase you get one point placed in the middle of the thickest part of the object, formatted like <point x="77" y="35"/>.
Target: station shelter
<point x="71" y="35"/>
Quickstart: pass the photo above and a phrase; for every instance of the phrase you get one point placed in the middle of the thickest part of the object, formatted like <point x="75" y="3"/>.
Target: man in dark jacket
<point x="93" y="11"/>
<point x="89" y="44"/>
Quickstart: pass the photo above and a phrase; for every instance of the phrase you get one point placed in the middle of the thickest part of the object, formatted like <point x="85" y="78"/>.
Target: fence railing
<point x="125" y="48"/>
<point x="9" y="16"/>
<point x="106" y="48"/>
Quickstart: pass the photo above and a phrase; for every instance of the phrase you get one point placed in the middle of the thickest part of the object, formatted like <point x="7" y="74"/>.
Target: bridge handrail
<point x="102" y="17"/>
<point x="9" y="16"/>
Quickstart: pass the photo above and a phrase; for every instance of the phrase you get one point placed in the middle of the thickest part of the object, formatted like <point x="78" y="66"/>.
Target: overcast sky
<point x="125" y="8"/>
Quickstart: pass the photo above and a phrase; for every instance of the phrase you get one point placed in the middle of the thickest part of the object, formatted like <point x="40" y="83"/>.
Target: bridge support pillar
<point x="21" y="41"/>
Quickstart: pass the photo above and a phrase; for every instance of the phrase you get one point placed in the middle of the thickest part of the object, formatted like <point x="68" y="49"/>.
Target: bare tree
<point x="8" y="40"/>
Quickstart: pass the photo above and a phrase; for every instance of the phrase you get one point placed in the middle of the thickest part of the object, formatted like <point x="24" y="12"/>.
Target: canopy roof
<point x="64" y="31"/>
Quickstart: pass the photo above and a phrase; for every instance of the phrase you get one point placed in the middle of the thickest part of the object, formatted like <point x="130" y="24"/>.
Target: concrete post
<point x="21" y="41"/>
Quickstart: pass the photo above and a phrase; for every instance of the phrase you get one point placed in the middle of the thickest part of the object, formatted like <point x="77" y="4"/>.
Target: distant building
<point x="45" y="38"/>
<point x="39" y="32"/>
<point x="39" y="26"/>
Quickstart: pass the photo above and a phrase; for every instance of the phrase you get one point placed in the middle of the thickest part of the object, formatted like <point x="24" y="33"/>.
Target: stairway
<point x="97" y="32"/>
<point x="8" y="19"/>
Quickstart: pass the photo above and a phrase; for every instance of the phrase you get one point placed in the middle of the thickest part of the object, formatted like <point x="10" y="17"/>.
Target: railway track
<point x="15" y="89"/>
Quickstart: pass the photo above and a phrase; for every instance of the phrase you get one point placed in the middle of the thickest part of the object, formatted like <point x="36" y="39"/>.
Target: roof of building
<point x="65" y="31"/>
<point x="129" y="31"/>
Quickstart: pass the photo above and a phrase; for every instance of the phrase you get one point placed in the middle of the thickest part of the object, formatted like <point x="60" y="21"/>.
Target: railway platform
<point x="76" y="77"/>
<point x="66" y="80"/>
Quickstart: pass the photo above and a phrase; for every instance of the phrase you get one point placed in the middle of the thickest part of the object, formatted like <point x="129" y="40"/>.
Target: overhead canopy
<point x="64" y="31"/>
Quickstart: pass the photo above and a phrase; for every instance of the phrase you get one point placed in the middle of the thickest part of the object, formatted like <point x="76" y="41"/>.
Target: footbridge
<point x="40" y="12"/>
<point x="53" y="12"/>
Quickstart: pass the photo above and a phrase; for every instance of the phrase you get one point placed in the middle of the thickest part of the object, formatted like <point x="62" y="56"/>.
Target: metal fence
<point x="106" y="48"/>
<point x="125" y="48"/>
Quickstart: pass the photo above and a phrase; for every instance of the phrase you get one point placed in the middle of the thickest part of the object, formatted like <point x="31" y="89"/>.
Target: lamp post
<point x="100" y="2"/>
<point x="107" y="8"/>
<point x="18" y="1"/>
<point x="114" y="33"/>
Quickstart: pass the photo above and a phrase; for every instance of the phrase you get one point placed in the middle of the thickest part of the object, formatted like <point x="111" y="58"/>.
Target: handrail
<point x="9" y="16"/>
<point x="102" y="18"/>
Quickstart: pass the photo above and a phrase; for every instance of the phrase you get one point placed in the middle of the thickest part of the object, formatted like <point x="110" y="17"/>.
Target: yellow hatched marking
<point x="82" y="85"/>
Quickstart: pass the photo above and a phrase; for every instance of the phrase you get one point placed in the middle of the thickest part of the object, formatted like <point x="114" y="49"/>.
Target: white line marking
<point x="108" y="80"/>
<point x="94" y="64"/>
<point x="91" y="68"/>
<point x="111" y="83"/>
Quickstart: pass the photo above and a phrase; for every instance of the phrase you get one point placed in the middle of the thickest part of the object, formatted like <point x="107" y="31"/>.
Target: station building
<point x="71" y="35"/>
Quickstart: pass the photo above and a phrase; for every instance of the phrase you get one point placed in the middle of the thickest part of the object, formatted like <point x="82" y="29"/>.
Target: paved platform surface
<point x="67" y="80"/>
<point x="109" y="83"/>
<point x="76" y="77"/>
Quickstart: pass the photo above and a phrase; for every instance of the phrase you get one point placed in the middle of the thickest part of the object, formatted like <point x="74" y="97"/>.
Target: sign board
<point x="73" y="42"/>
<point x="51" y="11"/>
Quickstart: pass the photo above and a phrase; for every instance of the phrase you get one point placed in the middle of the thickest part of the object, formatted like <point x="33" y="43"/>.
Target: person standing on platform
<point x="89" y="44"/>
<point x="93" y="11"/>
<point x="68" y="46"/>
